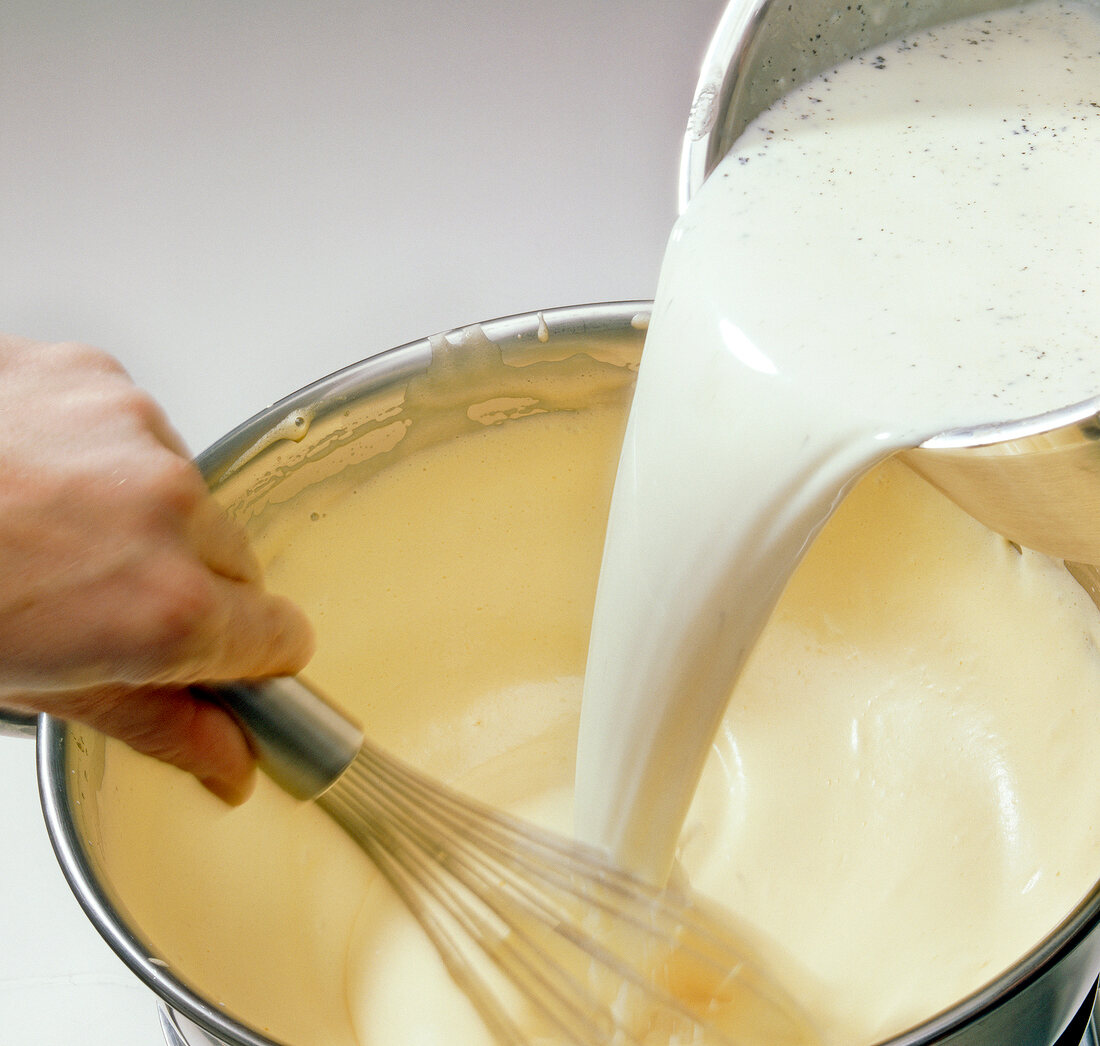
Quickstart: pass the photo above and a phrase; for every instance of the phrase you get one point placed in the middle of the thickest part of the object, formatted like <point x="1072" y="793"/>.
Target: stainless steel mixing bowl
<point x="1031" y="1003"/>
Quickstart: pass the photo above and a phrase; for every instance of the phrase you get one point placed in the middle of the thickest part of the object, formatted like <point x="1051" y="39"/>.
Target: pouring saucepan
<point x="1035" y="480"/>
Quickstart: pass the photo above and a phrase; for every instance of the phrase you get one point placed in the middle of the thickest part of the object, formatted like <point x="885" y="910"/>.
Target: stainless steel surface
<point x="1035" y="480"/>
<point x="1082" y="1029"/>
<point x="17" y="724"/>
<point x="302" y="742"/>
<point x="179" y="1031"/>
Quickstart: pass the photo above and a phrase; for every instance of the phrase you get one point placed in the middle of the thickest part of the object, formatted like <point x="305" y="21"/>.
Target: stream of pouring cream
<point x="906" y="245"/>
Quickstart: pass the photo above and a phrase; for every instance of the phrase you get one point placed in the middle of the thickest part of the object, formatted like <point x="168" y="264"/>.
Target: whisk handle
<point x="303" y="742"/>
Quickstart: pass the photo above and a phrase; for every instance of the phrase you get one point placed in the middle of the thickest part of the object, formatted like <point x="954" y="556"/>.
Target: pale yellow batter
<point x="901" y="796"/>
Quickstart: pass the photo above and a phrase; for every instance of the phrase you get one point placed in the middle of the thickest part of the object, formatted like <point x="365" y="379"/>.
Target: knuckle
<point x="137" y="405"/>
<point x="80" y="360"/>
<point x="131" y="408"/>
<point x="161" y="731"/>
<point x="76" y="353"/>
<point x="172" y="484"/>
<point x="176" y="620"/>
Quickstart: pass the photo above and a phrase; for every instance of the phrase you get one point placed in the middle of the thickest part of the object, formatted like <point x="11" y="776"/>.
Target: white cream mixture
<point x="906" y="245"/>
<point x="900" y="796"/>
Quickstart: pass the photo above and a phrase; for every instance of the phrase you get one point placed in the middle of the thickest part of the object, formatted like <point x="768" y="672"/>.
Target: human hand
<point x="121" y="579"/>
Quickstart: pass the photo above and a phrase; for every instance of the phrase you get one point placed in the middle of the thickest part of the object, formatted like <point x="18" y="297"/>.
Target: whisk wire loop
<point x="544" y="867"/>
<point x="469" y="873"/>
<point x="426" y="879"/>
<point x="552" y="943"/>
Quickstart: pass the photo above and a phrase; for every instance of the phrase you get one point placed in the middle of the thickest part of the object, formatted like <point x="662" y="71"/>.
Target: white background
<point x="238" y="196"/>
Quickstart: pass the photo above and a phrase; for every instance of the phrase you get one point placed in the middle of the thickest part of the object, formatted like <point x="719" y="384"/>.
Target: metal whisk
<point x="550" y="941"/>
